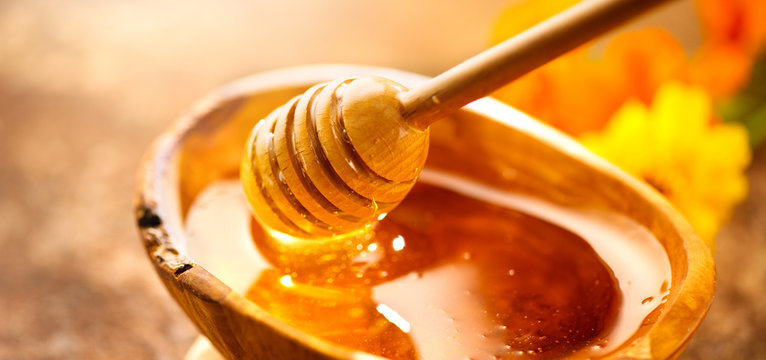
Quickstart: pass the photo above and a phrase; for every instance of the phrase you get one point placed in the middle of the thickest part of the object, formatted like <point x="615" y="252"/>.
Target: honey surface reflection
<point x="443" y="276"/>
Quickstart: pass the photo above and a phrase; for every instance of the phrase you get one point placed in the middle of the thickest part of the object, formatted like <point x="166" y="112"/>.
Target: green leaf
<point x="749" y="106"/>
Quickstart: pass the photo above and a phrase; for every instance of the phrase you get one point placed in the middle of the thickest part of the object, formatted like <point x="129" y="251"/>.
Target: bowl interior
<point x="487" y="142"/>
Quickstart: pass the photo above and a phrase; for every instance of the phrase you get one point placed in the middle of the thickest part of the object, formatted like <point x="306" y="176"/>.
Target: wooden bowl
<point x="480" y="142"/>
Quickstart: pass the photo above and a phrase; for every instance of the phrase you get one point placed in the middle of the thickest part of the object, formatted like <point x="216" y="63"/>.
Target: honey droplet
<point x="647" y="300"/>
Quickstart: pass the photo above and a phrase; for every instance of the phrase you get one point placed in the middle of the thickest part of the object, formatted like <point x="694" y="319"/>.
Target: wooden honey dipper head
<point x="332" y="160"/>
<point x="336" y="158"/>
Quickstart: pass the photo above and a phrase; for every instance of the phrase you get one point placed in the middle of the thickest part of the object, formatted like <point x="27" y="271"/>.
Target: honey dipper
<point x="343" y="154"/>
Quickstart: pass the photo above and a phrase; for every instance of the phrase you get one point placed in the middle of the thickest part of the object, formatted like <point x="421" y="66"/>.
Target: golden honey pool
<point x="515" y="243"/>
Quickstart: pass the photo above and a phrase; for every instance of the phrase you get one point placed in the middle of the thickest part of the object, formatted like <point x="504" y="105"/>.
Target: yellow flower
<point x="523" y="15"/>
<point x="676" y="146"/>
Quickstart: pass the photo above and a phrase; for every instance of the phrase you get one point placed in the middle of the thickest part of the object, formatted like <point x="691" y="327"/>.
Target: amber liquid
<point x="443" y="276"/>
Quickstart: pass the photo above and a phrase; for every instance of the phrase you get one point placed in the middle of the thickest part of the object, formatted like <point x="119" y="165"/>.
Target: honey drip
<point x="443" y="276"/>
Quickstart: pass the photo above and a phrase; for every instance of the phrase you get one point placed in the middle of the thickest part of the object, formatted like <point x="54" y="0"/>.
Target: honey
<point x="458" y="271"/>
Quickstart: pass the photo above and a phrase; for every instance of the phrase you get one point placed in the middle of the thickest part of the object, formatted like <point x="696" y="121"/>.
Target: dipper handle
<point x="339" y="157"/>
<point x="511" y="59"/>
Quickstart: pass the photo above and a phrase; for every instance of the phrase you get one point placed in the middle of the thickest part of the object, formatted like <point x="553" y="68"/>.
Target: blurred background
<point x="86" y="85"/>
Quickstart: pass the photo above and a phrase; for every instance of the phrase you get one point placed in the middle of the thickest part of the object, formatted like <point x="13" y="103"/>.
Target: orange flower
<point x="640" y="61"/>
<point x="735" y="32"/>
<point x="577" y="94"/>
<point x="740" y="24"/>
<point x="563" y="93"/>
<point x="721" y="69"/>
<point x="548" y="92"/>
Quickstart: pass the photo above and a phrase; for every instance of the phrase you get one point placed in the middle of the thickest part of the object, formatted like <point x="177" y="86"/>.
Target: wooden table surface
<point x="86" y="85"/>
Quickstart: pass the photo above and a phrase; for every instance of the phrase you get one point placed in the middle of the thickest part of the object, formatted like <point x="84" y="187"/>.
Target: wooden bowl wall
<point x="480" y="142"/>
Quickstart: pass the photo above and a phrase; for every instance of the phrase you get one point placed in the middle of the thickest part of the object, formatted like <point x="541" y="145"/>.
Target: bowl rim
<point x="184" y="278"/>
